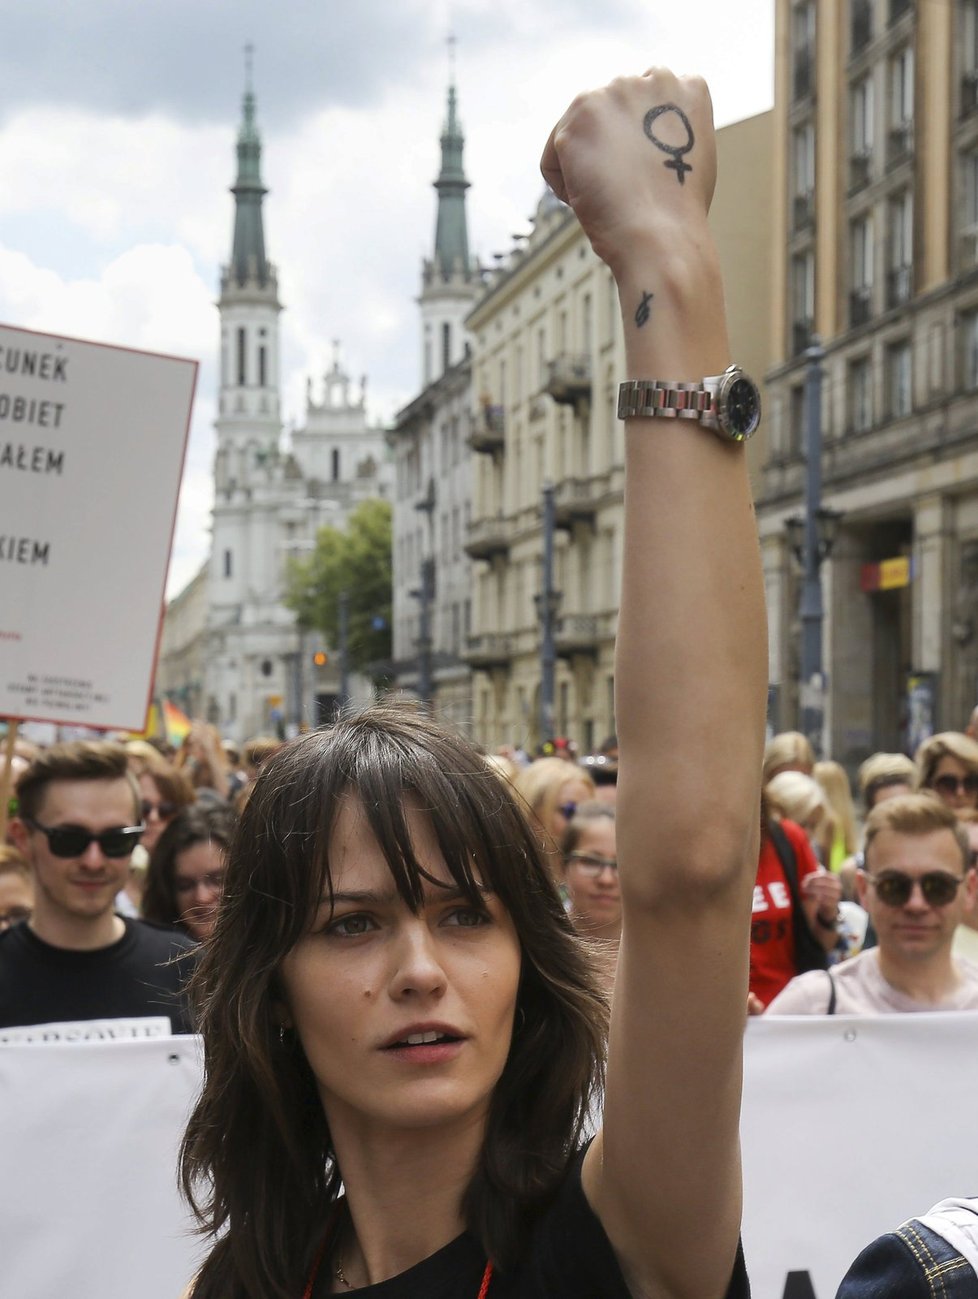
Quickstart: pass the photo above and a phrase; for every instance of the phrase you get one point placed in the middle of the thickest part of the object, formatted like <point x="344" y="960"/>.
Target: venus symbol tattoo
<point x="643" y="313"/>
<point x="676" y="162"/>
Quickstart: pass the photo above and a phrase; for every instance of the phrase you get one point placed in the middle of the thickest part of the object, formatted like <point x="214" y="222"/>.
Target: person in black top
<point x="77" y="823"/>
<point x="403" y="1035"/>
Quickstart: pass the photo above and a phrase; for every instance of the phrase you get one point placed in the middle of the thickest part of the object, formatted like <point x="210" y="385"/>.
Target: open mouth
<point x="429" y="1038"/>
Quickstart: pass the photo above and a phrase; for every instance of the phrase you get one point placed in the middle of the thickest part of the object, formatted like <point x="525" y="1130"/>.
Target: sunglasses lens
<point x="893" y="890"/>
<point x="939" y="890"/>
<point x="118" y="843"/>
<point x="68" y="841"/>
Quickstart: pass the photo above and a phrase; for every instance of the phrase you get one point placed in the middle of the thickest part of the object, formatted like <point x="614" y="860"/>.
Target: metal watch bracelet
<point x="659" y="397"/>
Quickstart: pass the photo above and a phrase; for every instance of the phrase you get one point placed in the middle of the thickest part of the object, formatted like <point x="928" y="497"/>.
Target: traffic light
<point x="320" y="659"/>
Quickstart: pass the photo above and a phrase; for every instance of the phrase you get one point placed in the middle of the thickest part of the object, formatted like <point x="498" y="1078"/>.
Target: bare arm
<point x="691" y="682"/>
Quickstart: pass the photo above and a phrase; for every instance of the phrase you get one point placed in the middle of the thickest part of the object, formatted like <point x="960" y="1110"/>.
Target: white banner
<point x="92" y="442"/>
<point x="851" y="1125"/>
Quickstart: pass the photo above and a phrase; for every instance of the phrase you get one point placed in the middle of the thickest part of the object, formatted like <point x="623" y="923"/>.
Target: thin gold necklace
<point x="340" y="1276"/>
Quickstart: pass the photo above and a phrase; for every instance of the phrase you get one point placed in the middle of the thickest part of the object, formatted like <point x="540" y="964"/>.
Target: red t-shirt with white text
<point x="772" y="943"/>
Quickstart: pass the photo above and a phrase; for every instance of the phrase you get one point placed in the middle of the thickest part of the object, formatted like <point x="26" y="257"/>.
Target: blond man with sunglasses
<point x="917" y="884"/>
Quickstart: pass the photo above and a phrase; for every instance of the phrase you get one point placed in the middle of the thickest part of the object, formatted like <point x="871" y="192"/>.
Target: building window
<point x="899" y="385"/>
<point x="803" y="179"/>
<point x="227" y="563"/>
<point x="901" y="106"/>
<point x="262" y="372"/>
<point x="969" y="208"/>
<point x="899" y="280"/>
<point x="796" y="420"/>
<point x="861" y="262"/>
<point x="898" y="8"/>
<point x="446" y="345"/>
<point x="969" y="351"/>
<point x="335" y="464"/>
<point x="861" y="25"/>
<point x="586" y="323"/>
<point x="969" y="56"/>
<point x="242" y="357"/>
<point x="861" y="107"/>
<point x="802" y="300"/>
<point x="803" y="42"/>
<point x="860" y="389"/>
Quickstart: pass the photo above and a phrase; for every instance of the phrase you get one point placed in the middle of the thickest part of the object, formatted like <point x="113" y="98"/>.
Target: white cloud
<point x="113" y="227"/>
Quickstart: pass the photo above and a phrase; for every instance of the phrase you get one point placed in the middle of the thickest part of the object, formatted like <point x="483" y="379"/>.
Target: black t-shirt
<point x="132" y="978"/>
<point x="569" y="1257"/>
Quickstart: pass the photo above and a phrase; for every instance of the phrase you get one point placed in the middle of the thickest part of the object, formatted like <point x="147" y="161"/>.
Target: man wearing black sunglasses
<point x="917" y="884"/>
<point x="77" y="823"/>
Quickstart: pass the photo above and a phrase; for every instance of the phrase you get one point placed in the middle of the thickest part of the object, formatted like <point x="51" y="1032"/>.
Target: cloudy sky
<point x="117" y="128"/>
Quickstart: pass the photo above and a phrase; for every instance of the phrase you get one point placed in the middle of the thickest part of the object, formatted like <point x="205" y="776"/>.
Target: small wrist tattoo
<point x="676" y="162"/>
<point x="644" y="311"/>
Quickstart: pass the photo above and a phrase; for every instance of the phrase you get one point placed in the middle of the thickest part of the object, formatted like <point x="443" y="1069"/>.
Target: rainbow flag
<point x="175" y="723"/>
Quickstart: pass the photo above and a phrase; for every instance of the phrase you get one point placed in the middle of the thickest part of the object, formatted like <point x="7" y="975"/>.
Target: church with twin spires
<point x="231" y="650"/>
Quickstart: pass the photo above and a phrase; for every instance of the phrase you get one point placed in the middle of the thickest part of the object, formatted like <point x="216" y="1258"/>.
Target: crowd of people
<point x="473" y="1026"/>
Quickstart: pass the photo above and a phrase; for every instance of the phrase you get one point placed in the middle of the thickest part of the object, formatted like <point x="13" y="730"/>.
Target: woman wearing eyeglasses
<point x="948" y="765"/>
<point x="186" y="870"/>
<point x="590" y="858"/>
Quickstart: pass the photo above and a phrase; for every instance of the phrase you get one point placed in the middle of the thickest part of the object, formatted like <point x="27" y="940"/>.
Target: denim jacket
<point x="916" y="1262"/>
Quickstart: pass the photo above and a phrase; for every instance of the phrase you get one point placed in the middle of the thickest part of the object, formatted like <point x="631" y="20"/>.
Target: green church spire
<point x="248" y="260"/>
<point x="451" y="231"/>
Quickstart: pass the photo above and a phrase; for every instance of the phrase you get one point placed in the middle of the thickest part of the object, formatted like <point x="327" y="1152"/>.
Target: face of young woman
<point x="198" y="877"/>
<point x="405" y="1019"/>
<point x="955" y="784"/>
<point x="596" y="897"/>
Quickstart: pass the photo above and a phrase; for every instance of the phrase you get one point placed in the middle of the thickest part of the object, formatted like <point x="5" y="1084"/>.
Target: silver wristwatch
<point x="728" y="403"/>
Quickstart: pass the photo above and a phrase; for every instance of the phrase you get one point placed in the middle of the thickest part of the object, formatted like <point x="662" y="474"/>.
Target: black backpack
<point x="809" y="952"/>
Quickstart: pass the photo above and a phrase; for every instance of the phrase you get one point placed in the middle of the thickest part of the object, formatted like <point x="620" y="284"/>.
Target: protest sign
<point x="850" y="1126"/>
<point x="92" y="442"/>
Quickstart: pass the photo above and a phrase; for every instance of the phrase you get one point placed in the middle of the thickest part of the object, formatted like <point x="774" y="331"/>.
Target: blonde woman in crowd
<point x="947" y="764"/>
<point x="834" y="783"/>
<point x="552" y="788"/>
<point x="885" y="775"/>
<point x="788" y="751"/>
<point x="801" y="799"/>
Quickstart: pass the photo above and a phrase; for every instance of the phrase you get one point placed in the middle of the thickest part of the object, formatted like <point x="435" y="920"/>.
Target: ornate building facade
<point x="876" y="214"/>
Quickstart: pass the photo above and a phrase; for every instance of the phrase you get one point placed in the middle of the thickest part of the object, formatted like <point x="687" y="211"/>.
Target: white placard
<point x="92" y="441"/>
<point x="850" y="1126"/>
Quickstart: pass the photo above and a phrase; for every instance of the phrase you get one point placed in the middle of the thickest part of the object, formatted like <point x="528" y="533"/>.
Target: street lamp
<point x="811" y="539"/>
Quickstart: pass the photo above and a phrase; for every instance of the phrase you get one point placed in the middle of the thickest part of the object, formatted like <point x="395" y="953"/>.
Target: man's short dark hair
<point x="77" y="760"/>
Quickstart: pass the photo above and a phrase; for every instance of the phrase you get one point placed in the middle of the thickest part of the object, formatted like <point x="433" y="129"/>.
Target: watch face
<point x="742" y="408"/>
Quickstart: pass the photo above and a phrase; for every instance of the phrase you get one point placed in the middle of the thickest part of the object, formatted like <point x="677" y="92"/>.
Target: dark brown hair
<point x="78" y="760"/>
<point x="200" y="823"/>
<point x="256" y="1162"/>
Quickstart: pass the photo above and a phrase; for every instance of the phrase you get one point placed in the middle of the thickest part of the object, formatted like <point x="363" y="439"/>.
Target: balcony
<point x="487" y="538"/>
<point x="860" y="169"/>
<point x="576" y="634"/>
<point x="860" y="306"/>
<point x="899" y="286"/>
<point x="488" y="430"/>
<point x="899" y="144"/>
<point x="569" y="379"/>
<point x="801" y="335"/>
<point x="577" y="499"/>
<point x="803" y="210"/>
<point x="861" y="31"/>
<point x="488" y="651"/>
<point x="802" y="84"/>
